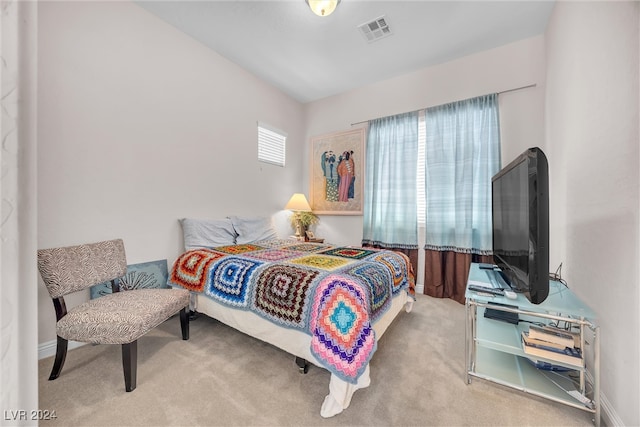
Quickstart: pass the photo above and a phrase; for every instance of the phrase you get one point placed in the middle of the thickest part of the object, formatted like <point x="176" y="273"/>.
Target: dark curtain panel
<point x="411" y="253"/>
<point x="446" y="273"/>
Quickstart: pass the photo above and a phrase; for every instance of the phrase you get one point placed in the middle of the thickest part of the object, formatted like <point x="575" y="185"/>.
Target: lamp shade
<point x="298" y="202"/>
<point x="323" y="7"/>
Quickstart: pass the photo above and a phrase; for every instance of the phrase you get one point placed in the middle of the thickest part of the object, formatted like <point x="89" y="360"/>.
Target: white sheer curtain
<point x="462" y="154"/>
<point x="390" y="206"/>
<point x="18" y="244"/>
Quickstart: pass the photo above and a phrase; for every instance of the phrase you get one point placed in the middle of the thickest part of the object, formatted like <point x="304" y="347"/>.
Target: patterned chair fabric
<point x="119" y="318"/>
<point x="73" y="268"/>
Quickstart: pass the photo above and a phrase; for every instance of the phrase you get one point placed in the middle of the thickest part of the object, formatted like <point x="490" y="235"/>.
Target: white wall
<point x="140" y="125"/>
<point x="593" y="148"/>
<point x="507" y="67"/>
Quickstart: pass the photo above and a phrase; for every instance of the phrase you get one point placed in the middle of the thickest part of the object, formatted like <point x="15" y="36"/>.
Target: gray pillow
<point x="207" y="233"/>
<point x="252" y="229"/>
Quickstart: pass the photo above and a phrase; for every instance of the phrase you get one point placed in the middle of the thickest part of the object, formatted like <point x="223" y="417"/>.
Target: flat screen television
<point x="520" y="209"/>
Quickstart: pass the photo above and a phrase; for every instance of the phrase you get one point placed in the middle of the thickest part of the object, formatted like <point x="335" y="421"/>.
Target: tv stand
<point x="494" y="352"/>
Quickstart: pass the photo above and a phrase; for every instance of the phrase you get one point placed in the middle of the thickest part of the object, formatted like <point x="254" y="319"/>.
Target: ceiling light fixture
<point x="323" y="7"/>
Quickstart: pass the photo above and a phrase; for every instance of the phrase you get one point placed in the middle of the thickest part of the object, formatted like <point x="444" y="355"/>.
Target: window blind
<point x="271" y="145"/>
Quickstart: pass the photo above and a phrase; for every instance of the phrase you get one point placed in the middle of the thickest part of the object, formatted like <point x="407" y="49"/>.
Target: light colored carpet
<point x="223" y="377"/>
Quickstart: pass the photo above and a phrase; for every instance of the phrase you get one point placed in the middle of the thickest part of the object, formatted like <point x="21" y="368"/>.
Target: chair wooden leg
<point x="61" y="355"/>
<point x="184" y="323"/>
<point x="130" y="364"/>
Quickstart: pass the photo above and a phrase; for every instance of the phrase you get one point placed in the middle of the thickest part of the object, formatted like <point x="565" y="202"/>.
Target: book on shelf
<point x="568" y="355"/>
<point x="555" y="335"/>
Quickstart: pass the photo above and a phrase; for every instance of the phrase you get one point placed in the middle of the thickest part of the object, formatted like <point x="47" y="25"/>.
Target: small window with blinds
<point x="271" y="144"/>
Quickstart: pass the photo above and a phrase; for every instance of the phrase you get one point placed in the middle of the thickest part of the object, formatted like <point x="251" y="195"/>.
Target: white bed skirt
<point x="298" y="343"/>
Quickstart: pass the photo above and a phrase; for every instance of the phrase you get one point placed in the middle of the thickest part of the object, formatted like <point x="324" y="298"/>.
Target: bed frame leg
<point x="303" y="365"/>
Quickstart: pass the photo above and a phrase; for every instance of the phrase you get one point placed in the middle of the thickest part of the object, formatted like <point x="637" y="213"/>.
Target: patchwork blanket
<point x="332" y="293"/>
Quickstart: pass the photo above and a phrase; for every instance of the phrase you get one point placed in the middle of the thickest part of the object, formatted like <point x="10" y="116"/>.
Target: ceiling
<point x="311" y="57"/>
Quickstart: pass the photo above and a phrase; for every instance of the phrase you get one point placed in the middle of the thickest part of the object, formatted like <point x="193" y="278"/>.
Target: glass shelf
<point x="506" y="337"/>
<point x="494" y="349"/>
<point x="561" y="300"/>
<point x="517" y="372"/>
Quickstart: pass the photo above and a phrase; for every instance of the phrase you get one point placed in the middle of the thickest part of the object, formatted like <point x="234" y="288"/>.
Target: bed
<point x="327" y="305"/>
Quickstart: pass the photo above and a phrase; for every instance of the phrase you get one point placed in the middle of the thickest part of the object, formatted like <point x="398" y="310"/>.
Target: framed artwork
<point x="153" y="274"/>
<point x="337" y="172"/>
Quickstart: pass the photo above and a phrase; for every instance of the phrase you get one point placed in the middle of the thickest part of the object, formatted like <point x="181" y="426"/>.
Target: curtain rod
<point x="498" y="93"/>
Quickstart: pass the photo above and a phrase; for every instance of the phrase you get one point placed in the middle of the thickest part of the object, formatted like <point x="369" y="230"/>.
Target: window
<point x="271" y="144"/>
<point x="462" y="153"/>
<point x="433" y="169"/>
<point x="422" y="143"/>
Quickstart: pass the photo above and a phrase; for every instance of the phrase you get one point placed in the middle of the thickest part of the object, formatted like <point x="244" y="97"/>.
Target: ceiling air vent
<point x="375" y="30"/>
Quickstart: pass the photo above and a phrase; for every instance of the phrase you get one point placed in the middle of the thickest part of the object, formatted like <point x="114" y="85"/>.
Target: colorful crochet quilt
<point x="334" y="294"/>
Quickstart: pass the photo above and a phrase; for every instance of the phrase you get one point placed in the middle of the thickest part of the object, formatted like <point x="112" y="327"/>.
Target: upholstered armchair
<point x="119" y="318"/>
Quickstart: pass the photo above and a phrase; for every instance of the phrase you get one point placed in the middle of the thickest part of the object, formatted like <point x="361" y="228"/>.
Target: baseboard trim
<point x="608" y="415"/>
<point x="48" y="349"/>
<point x="419" y="288"/>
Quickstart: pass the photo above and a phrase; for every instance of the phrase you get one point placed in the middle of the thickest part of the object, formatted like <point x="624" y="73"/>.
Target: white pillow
<point x="252" y="229"/>
<point x="207" y="233"/>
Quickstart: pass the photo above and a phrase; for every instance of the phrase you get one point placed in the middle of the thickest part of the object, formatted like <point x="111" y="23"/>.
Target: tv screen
<point x="520" y="209"/>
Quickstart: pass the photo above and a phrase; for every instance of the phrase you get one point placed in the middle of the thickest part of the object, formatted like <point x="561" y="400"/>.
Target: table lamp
<point x="298" y="203"/>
